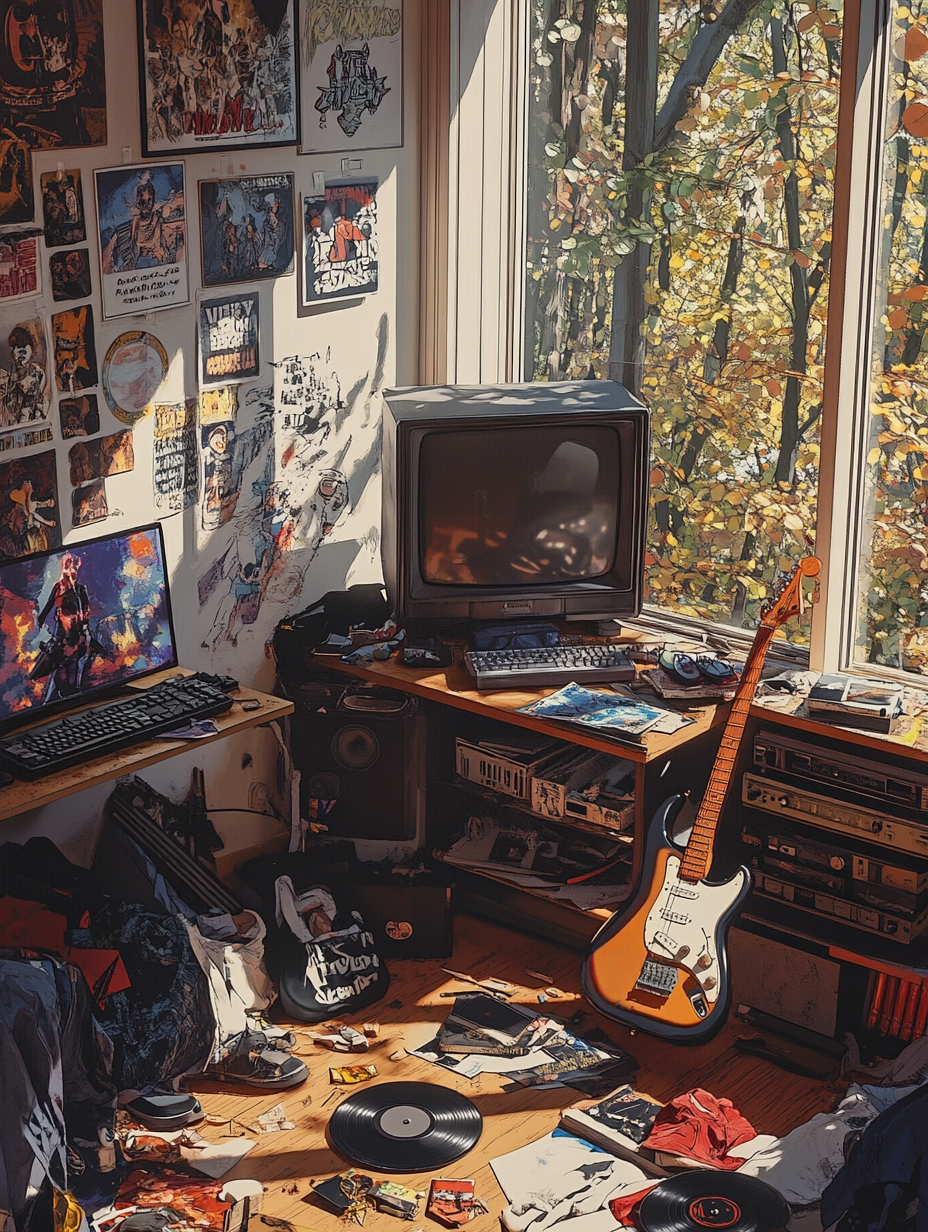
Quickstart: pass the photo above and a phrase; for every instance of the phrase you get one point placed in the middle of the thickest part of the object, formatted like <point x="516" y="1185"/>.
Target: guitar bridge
<point x="657" y="978"/>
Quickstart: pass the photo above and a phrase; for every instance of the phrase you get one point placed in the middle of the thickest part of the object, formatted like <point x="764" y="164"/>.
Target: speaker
<point x="367" y="754"/>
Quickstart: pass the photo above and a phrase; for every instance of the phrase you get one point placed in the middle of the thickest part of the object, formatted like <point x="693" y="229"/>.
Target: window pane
<point x="680" y="241"/>
<point x="893" y="607"/>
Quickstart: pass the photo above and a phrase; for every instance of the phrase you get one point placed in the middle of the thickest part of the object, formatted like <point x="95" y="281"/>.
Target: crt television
<point x="514" y="501"/>
<point x="81" y="621"/>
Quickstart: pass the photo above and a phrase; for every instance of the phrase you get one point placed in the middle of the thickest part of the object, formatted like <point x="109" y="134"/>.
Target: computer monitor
<point x="82" y="620"/>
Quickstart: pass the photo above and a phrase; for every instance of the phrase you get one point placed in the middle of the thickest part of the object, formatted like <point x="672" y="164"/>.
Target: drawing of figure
<point x="353" y="88"/>
<point x="148" y="235"/>
<point x="346" y="237"/>
<point x="22" y="385"/>
<point x="23" y="529"/>
<point x="272" y="235"/>
<point x="250" y="247"/>
<point x="154" y="235"/>
<point x="218" y="488"/>
<point x="68" y="654"/>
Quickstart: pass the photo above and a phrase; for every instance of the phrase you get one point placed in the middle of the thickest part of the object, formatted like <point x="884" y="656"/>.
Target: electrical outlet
<point x="259" y="798"/>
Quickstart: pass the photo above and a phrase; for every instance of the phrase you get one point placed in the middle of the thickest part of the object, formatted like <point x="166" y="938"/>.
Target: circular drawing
<point x="135" y="366"/>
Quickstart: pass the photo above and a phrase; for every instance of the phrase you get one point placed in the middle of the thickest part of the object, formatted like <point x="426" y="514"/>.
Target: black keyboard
<point x="548" y="665"/>
<point x="77" y="738"/>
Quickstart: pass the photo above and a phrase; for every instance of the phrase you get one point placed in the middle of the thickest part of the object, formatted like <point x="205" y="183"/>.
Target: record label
<point x="404" y="1121"/>
<point x="714" y="1212"/>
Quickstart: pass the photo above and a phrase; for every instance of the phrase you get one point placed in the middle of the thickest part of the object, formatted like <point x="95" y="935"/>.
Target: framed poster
<point x="351" y="77"/>
<point x="246" y="228"/>
<point x="142" y="221"/>
<point x="229" y="339"/>
<point x="217" y="75"/>
<point x="340" y="242"/>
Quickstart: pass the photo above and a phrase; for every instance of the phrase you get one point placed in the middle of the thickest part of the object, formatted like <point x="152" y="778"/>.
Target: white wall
<point x="366" y="343"/>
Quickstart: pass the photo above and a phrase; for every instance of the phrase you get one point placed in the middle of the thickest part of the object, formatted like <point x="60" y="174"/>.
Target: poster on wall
<point x="341" y="244"/>
<point x="88" y="503"/>
<point x="29" y="518"/>
<point x="63" y="208"/>
<point x="143" y="238"/>
<point x="24" y="390"/>
<point x="246" y="228"/>
<point x="75" y="349"/>
<point x="70" y="274"/>
<point x="19" y="264"/>
<point x="52" y="78"/>
<point x="17" y="196"/>
<point x="229" y="339"/>
<point x="176" y="465"/>
<point x="217" y="75"/>
<point x="107" y="455"/>
<point x="351" y="83"/>
<point x="79" y="416"/>
<point x="135" y="365"/>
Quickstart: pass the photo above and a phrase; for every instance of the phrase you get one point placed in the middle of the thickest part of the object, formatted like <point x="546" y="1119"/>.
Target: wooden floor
<point x="773" y="1100"/>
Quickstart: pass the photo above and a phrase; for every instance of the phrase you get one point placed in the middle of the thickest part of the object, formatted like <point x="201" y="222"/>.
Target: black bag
<point x="296" y="637"/>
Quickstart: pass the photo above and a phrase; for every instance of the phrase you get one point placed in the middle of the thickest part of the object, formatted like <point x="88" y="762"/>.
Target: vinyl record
<point x="697" y="1201"/>
<point x="405" y="1127"/>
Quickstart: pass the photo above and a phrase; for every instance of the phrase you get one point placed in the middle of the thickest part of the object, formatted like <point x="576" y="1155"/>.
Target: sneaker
<point x="279" y="1037"/>
<point x="254" y="1061"/>
<point x="165" y="1112"/>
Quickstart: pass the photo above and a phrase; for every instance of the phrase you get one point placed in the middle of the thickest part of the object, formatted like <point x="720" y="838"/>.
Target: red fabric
<point x="701" y="1127"/>
<point x="625" y="1209"/>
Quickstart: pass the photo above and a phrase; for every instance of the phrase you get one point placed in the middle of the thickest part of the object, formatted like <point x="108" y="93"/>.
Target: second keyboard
<point x="548" y="666"/>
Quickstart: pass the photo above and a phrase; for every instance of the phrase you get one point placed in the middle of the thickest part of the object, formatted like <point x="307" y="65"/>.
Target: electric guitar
<point x="660" y="964"/>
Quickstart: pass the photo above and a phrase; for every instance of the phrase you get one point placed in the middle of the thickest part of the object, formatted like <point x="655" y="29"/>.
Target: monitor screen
<point x="515" y="506"/>
<point x="82" y="619"/>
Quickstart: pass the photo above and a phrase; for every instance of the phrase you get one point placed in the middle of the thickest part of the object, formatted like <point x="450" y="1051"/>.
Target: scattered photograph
<point x="24" y="389"/>
<point x="19" y="264"/>
<point x="70" y="274"/>
<point x="79" y="416"/>
<point x="75" y="349"/>
<point x="246" y="228"/>
<point x="88" y="503"/>
<point x="229" y="339"/>
<point x="29" y="520"/>
<point x="340" y="242"/>
<point x="63" y="208"/>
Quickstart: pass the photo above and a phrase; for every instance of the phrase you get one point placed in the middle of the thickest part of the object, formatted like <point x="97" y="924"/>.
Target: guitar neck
<point x="698" y="858"/>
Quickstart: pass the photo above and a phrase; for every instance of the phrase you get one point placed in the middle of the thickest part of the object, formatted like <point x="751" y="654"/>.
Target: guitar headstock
<point x="787" y="602"/>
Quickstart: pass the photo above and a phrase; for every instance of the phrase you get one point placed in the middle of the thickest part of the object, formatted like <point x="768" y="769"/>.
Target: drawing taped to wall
<point x="19" y="264"/>
<point x="79" y="416"/>
<point x="75" y="349"/>
<point x="63" y="208"/>
<point x="70" y="274"/>
<point x="17" y="188"/>
<point x="107" y="455"/>
<point x="52" y="79"/>
<point x="29" y="520"/>
<point x="217" y="75"/>
<point x="246" y="228"/>
<point x="24" y="391"/>
<point x="352" y="76"/>
<point x="142" y="222"/>
<point x="229" y="339"/>
<point x="134" y="367"/>
<point x="176" y="464"/>
<point x="341" y="245"/>
<point x="88" y="503"/>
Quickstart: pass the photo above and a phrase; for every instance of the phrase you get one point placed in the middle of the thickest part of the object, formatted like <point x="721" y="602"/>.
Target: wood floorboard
<point x="773" y="1100"/>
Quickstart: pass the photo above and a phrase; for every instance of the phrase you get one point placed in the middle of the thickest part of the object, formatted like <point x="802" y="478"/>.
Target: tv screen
<point x="82" y="619"/>
<point x="531" y="505"/>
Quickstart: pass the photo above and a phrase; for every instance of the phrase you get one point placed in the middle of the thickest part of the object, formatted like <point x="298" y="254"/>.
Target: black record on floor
<point x="701" y="1201"/>
<point x="405" y="1127"/>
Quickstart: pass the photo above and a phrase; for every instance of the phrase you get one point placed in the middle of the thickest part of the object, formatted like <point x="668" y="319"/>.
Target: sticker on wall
<point x="79" y="416"/>
<point x="24" y="390"/>
<point x="246" y="228"/>
<point x="341" y="244"/>
<point x="70" y="274"/>
<point x="142" y="223"/>
<point x="176" y="465"/>
<point x="134" y="366"/>
<point x="52" y="78"/>
<point x="351" y="82"/>
<point x="108" y="455"/>
<point x="17" y="197"/>
<point x="75" y="349"/>
<point x="29" y="520"/>
<point x="88" y="503"/>
<point x="229" y="339"/>
<point x="217" y="75"/>
<point x="63" y="208"/>
<point x="19" y="264"/>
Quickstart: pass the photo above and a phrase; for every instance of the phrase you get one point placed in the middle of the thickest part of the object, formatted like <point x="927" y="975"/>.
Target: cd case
<point x="453" y="1202"/>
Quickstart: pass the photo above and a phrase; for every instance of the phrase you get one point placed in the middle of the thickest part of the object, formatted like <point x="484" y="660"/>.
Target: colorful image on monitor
<point x="81" y="619"/>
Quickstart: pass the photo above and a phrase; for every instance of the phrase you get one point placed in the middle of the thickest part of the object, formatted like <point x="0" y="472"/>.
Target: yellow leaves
<point x="921" y="473"/>
<point x="676" y="261"/>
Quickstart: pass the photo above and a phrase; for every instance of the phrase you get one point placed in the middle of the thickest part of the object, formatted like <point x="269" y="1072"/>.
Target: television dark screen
<point x="81" y="619"/>
<point x="518" y="506"/>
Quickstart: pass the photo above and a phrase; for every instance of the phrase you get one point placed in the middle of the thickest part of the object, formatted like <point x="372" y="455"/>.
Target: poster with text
<point x="229" y="339"/>
<point x="142" y="222"/>
<point x="177" y="464"/>
<point x="341" y="244"/>
<point x="351" y="84"/>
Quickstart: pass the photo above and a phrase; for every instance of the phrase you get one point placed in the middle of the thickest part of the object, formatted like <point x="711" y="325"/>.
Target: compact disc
<point x="405" y="1126"/>
<point x="701" y="1201"/>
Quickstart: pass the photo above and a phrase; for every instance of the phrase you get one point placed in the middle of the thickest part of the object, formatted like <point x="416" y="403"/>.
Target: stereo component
<point x="857" y="915"/>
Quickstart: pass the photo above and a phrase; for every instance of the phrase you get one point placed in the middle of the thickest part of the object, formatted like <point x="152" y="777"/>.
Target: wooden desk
<point x="18" y="796"/>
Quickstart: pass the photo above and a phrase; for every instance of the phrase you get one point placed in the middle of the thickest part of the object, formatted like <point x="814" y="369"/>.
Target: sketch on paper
<point x="19" y="264"/>
<point x="341" y="244"/>
<point x="63" y="208"/>
<point x="141" y="216"/>
<point x="229" y="339"/>
<point x="79" y="416"/>
<point x="29" y="520"/>
<point x="176" y="464"/>
<point x="217" y="75"/>
<point x="352" y="75"/>
<point x="246" y="228"/>
<point x="70" y="274"/>
<point x="24" y="391"/>
<point x="52" y="78"/>
<point x="134" y="366"/>
<point x="75" y="349"/>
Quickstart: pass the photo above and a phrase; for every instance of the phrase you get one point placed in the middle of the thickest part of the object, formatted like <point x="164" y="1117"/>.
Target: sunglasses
<point x="689" y="670"/>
